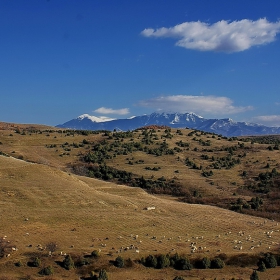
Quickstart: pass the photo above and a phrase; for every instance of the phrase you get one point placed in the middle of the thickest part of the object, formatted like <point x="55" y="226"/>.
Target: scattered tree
<point x="119" y="262"/>
<point x="254" y="275"/>
<point x="48" y="270"/>
<point x="151" y="261"/>
<point x="269" y="261"/>
<point x="36" y="262"/>
<point x="217" y="263"/>
<point x="261" y="266"/>
<point x="102" y="275"/>
<point x="95" y="254"/>
<point x="68" y="263"/>
<point x="205" y="263"/>
<point x="162" y="261"/>
<point x="183" y="264"/>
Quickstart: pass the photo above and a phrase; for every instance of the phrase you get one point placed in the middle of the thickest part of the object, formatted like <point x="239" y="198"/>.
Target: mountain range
<point x="226" y="127"/>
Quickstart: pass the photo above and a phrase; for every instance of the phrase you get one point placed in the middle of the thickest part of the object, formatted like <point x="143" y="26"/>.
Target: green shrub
<point x="68" y="263"/>
<point x="183" y="264"/>
<point x="254" y="275"/>
<point x="151" y="261"/>
<point x="95" y="254"/>
<point x="36" y="262"/>
<point x="162" y="261"/>
<point x="48" y="270"/>
<point x="217" y="263"/>
<point x="19" y="264"/>
<point x="261" y="266"/>
<point x="119" y="262"/>
<point x="269" y="261"/>
<point x="173" y="259"/>
<point x="205" y="263"/>
<point x="102" y="275"/>
<point x="81" y="261"/>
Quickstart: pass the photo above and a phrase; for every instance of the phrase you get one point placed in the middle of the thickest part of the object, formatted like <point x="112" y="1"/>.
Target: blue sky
<point x="117" y="59"/>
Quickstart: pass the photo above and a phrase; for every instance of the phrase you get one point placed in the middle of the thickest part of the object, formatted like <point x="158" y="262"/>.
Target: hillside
<point x="195" y="166"/>
<point x="43" y="201"/>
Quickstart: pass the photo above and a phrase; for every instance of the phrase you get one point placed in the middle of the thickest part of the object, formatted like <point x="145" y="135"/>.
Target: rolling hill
<point x="44" y="200"/>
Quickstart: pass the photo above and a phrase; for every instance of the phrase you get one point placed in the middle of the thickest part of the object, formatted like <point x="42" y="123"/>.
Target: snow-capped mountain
<point x="226" y="127"/>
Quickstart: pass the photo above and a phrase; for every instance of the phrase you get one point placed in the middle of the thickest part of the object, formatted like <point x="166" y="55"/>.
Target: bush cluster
<point x="267" y="261"/>
<point x="181" y="262"/>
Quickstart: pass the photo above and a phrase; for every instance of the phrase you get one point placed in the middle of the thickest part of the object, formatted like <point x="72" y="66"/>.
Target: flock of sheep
<point x="266" y="239"/>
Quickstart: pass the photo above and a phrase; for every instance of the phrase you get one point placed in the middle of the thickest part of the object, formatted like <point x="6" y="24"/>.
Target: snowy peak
<point x="176" y="118"/>
<point x="226" y="127"/>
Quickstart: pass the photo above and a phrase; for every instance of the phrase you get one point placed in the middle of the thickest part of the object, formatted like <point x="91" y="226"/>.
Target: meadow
<point x="133" y="194"/>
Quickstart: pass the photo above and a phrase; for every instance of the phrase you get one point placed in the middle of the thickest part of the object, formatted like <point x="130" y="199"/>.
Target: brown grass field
<point x="41" y="201"/>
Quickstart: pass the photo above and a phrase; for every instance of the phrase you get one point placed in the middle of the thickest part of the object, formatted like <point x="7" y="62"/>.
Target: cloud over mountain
<point x="211" y="105"/>
<point x="104" y="110"/>
<point x="271" y="120"/>
<point x="222" y="36"/>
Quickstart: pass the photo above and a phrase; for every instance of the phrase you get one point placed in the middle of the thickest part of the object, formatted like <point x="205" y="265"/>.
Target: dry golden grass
<point x="80" y="214"/>
<point x="43" y="202"/>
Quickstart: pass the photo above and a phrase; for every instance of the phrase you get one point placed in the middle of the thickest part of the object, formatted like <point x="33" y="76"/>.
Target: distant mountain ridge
<point x="226" y="127"/>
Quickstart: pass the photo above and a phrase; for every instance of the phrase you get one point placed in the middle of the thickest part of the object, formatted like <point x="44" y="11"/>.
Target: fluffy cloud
<point x="270" y="120"/>
<point x="209" y="105"/>
<point x="222" y="36"/>
<point x="103" y="110"/>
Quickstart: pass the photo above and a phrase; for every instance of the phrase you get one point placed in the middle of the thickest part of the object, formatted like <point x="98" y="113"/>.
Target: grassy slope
<point x="55" y="203"/>
<point x="85" y="213"/>
<point x="217" y="189"/>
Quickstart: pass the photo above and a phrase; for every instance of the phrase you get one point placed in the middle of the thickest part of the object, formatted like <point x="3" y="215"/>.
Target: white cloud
<point x="103" y="110"/>
<point x="95" y="119"/>
<point x="270" y="120"/>
<point x="209" y="105"/>
<point x="222" y="36"/>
